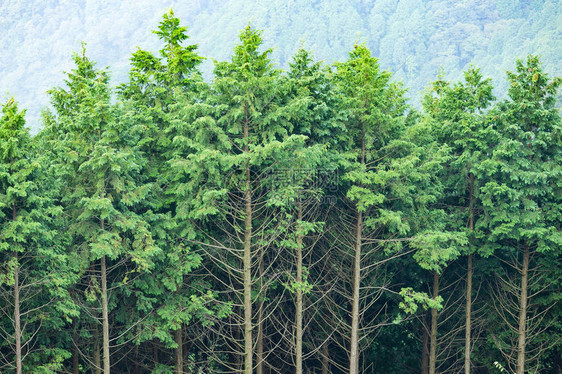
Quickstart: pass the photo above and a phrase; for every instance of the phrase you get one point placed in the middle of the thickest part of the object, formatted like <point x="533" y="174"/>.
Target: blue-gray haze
<point x="413" y="38"/>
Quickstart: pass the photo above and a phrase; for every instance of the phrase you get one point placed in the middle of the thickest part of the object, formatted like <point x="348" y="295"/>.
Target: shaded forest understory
<point x="299" y="221"/>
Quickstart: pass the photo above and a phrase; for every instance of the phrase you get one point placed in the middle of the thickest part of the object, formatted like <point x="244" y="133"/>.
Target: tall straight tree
<point x="34" y="267"/>
<point x="305" y="188"/>
<point x="384" y="170"/>
<point x="239" y="137"/>
<point x="368" y="92"/>
<point x="228" y="137"/>
<point x="523" y="197"/>
<point x="101" y="173"/>
<point x="16" y="183"/>
<point x="160" y="90"/>
<point x="458" y="120"/>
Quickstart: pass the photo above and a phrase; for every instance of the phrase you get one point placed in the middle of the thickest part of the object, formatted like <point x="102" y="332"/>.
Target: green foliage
<point x="100" y="171"/>
<point x="54" y="358"/>
<point x="435" y="249"/>
<point x="267" y="189"/>
<point x="522" y="197"/>
<point x="180" y="60"/>
<point x="31" y="248"/>
<point x="522" y="193"/>
<point x="412" y="300"/>
<point x="500" y="367"/>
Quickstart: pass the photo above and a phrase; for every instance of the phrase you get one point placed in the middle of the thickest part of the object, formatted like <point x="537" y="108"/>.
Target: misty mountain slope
<point x="412" y="38"/>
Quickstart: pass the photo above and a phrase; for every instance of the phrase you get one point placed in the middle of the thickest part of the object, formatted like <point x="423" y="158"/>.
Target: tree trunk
<point x="522" y="329"/>
<point x="354" y="344"/>
<point x="17" y="317"/>
<point x="136" y="368"/>
<point x="299" y="306"/>
<point x="185" y="350"/>
<point x="17" y="314"/>
<point x="467" y="337"/>
<point x="468" y="323"/>
<point x="325" y="358"/>
<point x="155" y="353"/>
<point x="105" y="317"/>
<point x="179" y="351"/>
<point x="259" y="337"/>
<point x="434" y="315"/>
<point x="425" y="347"/>
<point x="247" y="260"/>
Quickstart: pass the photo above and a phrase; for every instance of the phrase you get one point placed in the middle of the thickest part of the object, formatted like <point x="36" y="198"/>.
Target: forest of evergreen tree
<point x="267" y="221"/>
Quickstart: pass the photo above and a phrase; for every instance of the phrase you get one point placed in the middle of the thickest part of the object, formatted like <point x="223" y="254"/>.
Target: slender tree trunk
<point x="186" y="348"/>
<point x="75" y="362"/>
<point x="97" y="357"/>
<point x="17" y="317"/>
<point x="433" y="337"/>
<point x="155" y="353"/>
<point x="467" y="337"/>
<point x="247" y="260"/>
<point x="354" y="347"/>
<point x="299" y="306"/>
<point x="522" y="329"/>
<point x="136" y="369"/>
<point x="179" y="351"/>
<point x="325" y="358"/>
<point x="260" y="322"/>
<point x="354" y="343"/>
<point x="105" y="318"/>
<point x="17" y="314"/>
<point x="468" y="323"/>
<point x="425" y="347"/>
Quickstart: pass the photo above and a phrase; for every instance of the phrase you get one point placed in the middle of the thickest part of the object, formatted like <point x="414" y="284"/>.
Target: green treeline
<point x="299" y="221"/>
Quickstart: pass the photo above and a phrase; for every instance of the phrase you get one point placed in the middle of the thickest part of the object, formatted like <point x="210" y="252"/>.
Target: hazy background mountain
<point x="412" y="38"/>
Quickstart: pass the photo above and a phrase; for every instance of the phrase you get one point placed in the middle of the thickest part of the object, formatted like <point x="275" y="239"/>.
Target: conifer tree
<point x="458" y="120"/>
<point x="388" y="181"/>
<point x="100" y="169"/>
<point x="236" y="139"/>
<point x="159" y="92"/>
<point x="522" y="195"/>
<point x="310" y="186"/>
<point x="33" y="274"/>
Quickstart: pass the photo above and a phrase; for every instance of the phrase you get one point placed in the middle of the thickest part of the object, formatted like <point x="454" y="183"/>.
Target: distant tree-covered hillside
<point x="412" y="38"/>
